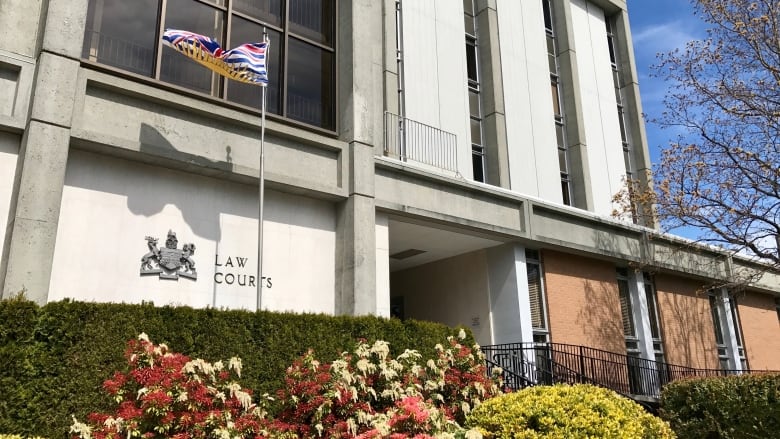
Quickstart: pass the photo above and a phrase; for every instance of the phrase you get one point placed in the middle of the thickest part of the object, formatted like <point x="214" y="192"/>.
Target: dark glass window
<point x="301" y="61"/>
<point x="122" y="34"/>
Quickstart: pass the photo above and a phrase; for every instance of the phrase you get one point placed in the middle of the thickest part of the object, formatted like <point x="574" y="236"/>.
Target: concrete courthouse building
<point x="445" y="160"/>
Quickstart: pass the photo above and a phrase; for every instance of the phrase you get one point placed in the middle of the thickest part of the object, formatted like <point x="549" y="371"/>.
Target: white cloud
<point x="663" y="37"/>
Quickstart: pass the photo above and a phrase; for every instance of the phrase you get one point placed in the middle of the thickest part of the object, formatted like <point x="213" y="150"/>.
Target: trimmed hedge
<point x="739" y="406"/>
<point x="565" y="411"/>
<point x="54" y="358"/>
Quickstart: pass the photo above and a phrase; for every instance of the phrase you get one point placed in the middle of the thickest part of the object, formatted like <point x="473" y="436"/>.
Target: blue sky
<point x="659" y="26"/>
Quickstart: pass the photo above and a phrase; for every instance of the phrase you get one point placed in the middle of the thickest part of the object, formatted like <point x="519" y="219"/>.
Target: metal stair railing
<point x="528" y="364"/>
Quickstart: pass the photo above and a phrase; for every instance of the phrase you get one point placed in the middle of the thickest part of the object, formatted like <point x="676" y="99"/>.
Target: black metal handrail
<point x="548" y="363"/>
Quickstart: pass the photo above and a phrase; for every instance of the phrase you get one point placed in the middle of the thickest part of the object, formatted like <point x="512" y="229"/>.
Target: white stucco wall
<point x="9" y="151"/>
<point x="382" y="265"/>
<point x="602" y="127"/>
<point x="109" y="205"/>
<point x="530" y="126"/>
<point x="434" y="62"/>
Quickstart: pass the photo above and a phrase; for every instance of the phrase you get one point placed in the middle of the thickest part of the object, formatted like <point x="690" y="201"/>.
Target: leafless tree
<point x="721" y="176"/>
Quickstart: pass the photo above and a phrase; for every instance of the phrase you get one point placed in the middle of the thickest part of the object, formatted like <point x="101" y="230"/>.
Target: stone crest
<point x="169" y="262"/>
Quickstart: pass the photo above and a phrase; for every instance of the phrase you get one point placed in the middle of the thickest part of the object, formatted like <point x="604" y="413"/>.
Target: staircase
<point x="530" y="364"/>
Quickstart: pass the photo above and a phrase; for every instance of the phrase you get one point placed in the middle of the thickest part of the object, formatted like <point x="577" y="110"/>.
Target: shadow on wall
<point x="692" y="333"/>
<point x="600" y="317"/>
<point x="153" y="143"/>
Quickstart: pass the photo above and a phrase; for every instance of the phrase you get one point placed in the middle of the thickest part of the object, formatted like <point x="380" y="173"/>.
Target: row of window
<point x="301" y="59"/>
<point x="475" y="100"/>
<point x="724" y="315"/>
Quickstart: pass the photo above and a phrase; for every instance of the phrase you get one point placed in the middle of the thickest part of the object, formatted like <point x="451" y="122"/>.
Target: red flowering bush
<point x="364" y="394"/>
<point x="168" y="395"/>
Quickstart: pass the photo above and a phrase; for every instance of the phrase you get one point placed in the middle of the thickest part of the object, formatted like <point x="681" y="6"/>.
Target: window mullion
<point x="285" y="58"/>
<point x="163" y="5"/>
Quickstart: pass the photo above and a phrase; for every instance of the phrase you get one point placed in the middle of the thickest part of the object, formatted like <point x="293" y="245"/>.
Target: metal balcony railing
<point x="412" y="141"/>
<point x="528" y="364"/>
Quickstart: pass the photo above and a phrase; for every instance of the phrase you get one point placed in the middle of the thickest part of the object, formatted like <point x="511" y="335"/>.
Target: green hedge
<point x="54" y="358"/>
<point x="741" y="406"/>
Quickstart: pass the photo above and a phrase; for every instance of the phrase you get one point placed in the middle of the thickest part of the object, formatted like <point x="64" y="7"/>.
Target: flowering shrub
<point x="579" y="411"/>
<point x="364" y="394"/>
<point x="368" y="394"/>
<point x="168" y="395"/>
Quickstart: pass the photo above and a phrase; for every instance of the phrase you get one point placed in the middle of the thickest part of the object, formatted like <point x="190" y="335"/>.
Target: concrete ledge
<point x="406" y="189"/>
<point x="181" y="132"/>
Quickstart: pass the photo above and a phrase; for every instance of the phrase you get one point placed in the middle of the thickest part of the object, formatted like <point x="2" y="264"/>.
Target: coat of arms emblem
<point x="169" y="262"/>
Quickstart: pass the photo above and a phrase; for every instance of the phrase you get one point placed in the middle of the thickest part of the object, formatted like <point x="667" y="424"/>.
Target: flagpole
<point x="261" y="190"/>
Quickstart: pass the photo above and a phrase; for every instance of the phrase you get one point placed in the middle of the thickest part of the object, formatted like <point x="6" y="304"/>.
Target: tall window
<point x="652" y="310"/>
<point x="126" y="35"/>
<point x="617" y="80"/>
<point x="475" y="104"/>
<point x="533" y="267"/>
<point x="555" y="89"/>
<point x="722" y="319"/>
<point x="627" y="314"/>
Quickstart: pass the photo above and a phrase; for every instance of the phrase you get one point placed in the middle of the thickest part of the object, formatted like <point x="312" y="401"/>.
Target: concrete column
<point x="21" y="22"/>
<point x="44" y="150"/>
<point x="361" y="96"/>
<point x="510" y="305"/>
<point x="356" y="257"/>
<point x="579" y="168"/>
<point x="492" y="94"/>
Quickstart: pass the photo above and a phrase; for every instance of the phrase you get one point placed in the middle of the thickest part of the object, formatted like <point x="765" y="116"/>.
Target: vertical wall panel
<point x="533" y="156"/>
<point x="602" y="127"/>
<point x="435" y="70"/>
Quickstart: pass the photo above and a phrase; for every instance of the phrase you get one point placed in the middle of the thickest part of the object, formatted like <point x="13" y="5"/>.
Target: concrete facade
<point x="94" y="158"/>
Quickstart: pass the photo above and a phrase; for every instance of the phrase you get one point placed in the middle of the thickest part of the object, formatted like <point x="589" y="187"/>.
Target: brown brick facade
<point x="760" y="330"/>
<point x="686" y="323"/>
<point x="583" y="301"/>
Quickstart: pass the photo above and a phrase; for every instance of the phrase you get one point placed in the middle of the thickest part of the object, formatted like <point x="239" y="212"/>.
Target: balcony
<point x="420" y="144"/>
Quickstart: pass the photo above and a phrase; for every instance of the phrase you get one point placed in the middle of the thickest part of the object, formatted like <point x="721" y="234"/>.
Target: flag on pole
<point x="245" y="63"/>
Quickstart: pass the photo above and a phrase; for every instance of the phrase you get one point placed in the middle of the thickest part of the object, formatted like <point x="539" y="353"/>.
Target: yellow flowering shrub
<point x="563" y="411"/>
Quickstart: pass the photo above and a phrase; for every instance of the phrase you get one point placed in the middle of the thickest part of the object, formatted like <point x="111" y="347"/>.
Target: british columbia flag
<point x="245" y="63"/>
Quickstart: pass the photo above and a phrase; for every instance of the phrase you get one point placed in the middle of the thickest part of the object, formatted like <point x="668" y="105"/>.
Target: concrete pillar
<point x="356" y="257"/>
<point x="579" y="168"/>
<point x="361" y="93"/>
<point x="492" y="94"/>
<point x="44" y="150"/>
<point x="510" y="305"/>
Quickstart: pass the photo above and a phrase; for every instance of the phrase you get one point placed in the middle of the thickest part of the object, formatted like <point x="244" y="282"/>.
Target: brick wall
<point x="686" y="323"/>
<point x="760" y="330"/>
<point x="583" y="301"/>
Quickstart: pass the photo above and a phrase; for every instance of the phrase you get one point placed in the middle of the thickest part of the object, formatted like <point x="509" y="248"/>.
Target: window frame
<point x="220" y="97"/>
